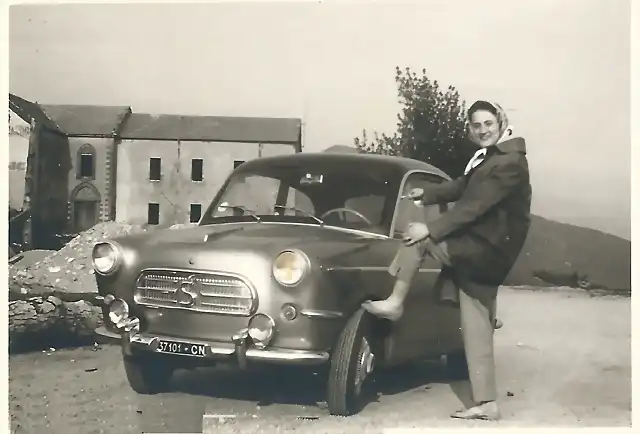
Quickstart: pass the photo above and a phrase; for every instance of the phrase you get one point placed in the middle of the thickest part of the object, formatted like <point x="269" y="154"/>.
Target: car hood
<point x="266" y="238"/>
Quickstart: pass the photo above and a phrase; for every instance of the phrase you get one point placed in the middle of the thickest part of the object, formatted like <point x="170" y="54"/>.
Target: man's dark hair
<point x="481" y="105"/>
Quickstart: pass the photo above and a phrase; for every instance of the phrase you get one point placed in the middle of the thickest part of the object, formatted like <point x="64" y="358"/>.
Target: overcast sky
<point x="560" y="68"/>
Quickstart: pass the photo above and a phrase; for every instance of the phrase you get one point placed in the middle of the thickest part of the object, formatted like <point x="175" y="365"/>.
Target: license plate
<point x="182" y="348"/>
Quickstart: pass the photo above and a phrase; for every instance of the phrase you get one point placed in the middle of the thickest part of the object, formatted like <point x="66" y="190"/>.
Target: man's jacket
<point x="488" y="225"/>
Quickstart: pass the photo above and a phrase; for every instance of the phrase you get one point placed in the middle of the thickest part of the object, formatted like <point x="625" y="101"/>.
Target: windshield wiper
<point x="307" y="213"/>
<point x="251" y="212"/>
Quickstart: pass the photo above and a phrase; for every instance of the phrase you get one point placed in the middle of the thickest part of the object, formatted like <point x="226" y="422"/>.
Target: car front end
<point x="255" y="304"/>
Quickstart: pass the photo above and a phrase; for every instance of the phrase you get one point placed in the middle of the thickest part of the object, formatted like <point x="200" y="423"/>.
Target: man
<point x="478" y="241"/>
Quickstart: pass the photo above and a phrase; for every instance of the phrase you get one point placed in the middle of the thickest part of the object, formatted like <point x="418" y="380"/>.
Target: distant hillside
<point x="560" y="248"/>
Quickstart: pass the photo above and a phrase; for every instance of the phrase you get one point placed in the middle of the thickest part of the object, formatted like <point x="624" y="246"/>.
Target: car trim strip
<point x="329" y="314"/>
<point x="422" y="270"/>
<point x="335" y="228"/>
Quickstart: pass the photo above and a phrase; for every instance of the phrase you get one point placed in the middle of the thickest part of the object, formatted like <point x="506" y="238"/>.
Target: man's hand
<point x="414" y="194"/>
<point x="415" y="233"/>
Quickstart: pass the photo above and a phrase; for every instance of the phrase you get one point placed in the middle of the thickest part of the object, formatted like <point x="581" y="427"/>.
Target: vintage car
<point x="275" y="273"/>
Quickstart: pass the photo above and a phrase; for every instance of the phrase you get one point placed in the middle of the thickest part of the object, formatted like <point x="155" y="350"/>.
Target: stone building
<point x="170" y="167"/>
<point x="87" y="164"/>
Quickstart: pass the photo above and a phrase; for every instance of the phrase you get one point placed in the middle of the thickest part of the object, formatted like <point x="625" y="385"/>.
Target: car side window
<point x="408" y="212"/>
<point x="370" y="206"/>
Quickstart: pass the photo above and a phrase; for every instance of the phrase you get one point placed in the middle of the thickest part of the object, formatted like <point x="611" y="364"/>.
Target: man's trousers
<point x="477" y="319"/>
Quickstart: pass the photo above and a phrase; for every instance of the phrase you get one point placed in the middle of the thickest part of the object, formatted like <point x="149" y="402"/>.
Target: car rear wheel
<point x="352" y="361"/>
<point x="147" y="375"/>
<point x="457" y="368"/>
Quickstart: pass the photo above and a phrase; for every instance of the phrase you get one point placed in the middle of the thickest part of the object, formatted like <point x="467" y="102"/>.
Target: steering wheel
<point x="331" y="211"/>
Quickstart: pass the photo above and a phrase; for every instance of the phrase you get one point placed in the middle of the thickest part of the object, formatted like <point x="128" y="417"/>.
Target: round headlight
<point x="118" y="311"/>
<point x="106" y="258"/>
<point x="261" y="329"/>
<point x="290" y="267"/>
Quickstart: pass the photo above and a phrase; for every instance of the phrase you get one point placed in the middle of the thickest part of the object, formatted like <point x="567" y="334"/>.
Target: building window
<point x="86" y="165"/>
<point x="153" y="214"/>
<point x="86" y="162"/>
<point x="236" y="163"/>
<point x="155" y="171"/>
<point x="195" y="212"/>
<point x="196" y="169"/>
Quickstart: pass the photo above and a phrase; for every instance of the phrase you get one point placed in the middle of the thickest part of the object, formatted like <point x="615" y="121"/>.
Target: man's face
<point x="484" y="126"/>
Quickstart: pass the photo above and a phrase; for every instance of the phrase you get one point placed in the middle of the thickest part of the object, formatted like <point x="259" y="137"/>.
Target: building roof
<point x="72" y="120"/>
<point x="29" y="111"/>
<point x="212" y="128"/>
<point x="87" y="120"/>
<point x="100" y="121"/>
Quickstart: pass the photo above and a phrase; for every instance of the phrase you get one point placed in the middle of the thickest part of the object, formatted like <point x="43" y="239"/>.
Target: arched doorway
<point x="85" y="207"/>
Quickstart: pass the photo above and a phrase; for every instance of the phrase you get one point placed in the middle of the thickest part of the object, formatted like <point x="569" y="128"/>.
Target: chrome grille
<point x="214" y="292"/>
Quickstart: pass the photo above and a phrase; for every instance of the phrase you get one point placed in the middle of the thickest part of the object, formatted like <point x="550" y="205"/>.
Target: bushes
<point x="431" y="125"/>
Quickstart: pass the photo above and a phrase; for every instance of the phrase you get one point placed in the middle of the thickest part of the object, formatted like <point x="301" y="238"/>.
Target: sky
<point x="561" y="68"/>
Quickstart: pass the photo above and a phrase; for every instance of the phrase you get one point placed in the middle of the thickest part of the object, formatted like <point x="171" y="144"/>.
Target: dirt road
<point x="563" y="359"/>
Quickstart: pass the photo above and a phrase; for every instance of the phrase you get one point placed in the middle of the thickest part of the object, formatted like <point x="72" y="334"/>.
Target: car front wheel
<point x="147" y="375"/>
<point x="352" y="361"/>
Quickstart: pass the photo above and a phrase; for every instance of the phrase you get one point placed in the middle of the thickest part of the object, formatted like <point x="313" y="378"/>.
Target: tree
<point x="431" y="125"/>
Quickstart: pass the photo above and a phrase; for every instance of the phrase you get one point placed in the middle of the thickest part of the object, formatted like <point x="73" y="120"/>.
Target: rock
<point x="42" y="322"/>
<point x="54" y="298"/>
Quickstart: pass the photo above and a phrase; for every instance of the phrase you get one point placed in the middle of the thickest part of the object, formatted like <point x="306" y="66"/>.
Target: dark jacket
<point x="488" y="225"/>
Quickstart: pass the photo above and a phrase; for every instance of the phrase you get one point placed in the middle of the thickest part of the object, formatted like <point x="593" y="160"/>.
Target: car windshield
<point x="330" y="193"/>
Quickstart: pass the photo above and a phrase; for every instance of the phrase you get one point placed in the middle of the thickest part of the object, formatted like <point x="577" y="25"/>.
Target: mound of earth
<point x="68" y="269"/>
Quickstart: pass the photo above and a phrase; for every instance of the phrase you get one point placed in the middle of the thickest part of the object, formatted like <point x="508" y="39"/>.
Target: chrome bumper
<point x="240" y="350"/>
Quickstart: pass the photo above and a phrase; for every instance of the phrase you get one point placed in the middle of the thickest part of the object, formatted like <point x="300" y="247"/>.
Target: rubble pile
<point x="70" y="269"/>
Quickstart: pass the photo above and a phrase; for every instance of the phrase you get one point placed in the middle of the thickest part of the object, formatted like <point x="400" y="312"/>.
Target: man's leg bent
<point x="404" y="266"/>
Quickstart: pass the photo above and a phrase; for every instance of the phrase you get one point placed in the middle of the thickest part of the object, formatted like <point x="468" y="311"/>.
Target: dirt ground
<point x="563" y="359"/>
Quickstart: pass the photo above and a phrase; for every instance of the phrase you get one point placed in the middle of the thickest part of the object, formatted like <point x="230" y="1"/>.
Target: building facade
<point x="19" y="131"/>
<point x="170" y="167"/>
<point x="68" y="185"/>
<point x="89" y="164"/>
<point x="92" y="133"/>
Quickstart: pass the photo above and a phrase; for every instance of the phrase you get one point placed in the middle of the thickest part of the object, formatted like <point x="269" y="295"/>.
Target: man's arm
<point x="479" y="198"/>
<point x="448" y="191"/>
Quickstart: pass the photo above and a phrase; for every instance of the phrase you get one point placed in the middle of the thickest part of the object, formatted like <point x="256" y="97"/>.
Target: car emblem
<point x="187" y="292"/>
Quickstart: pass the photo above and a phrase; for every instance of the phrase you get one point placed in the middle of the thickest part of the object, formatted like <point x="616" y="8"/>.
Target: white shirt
<point x="477" y="158"/>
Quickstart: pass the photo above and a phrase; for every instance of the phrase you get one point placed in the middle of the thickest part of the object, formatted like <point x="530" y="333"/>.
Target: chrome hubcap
<point x="365" y="365"/>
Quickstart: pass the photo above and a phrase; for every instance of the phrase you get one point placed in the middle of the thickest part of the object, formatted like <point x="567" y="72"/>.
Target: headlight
<point x="118" y="311"/>
<point x="261" y="329"/>
<point x="290" y="267"/>
<point x="106" y="258"/>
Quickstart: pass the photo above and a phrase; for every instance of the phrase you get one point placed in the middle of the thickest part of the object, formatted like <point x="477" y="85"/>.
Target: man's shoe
<point x="497" y="324"/>
<point x="384" y="309"/>
<point x="486" y="411"/>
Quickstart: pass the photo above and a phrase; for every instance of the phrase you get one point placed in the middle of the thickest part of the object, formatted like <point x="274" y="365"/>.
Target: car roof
<point x="359" y="160"/>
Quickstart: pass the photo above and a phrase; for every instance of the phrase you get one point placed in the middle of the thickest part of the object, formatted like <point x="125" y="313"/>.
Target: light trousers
<point x="477" y="319"/>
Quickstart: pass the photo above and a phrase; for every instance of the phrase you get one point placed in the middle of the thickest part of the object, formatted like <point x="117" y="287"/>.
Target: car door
<point x="420" y="331"/>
